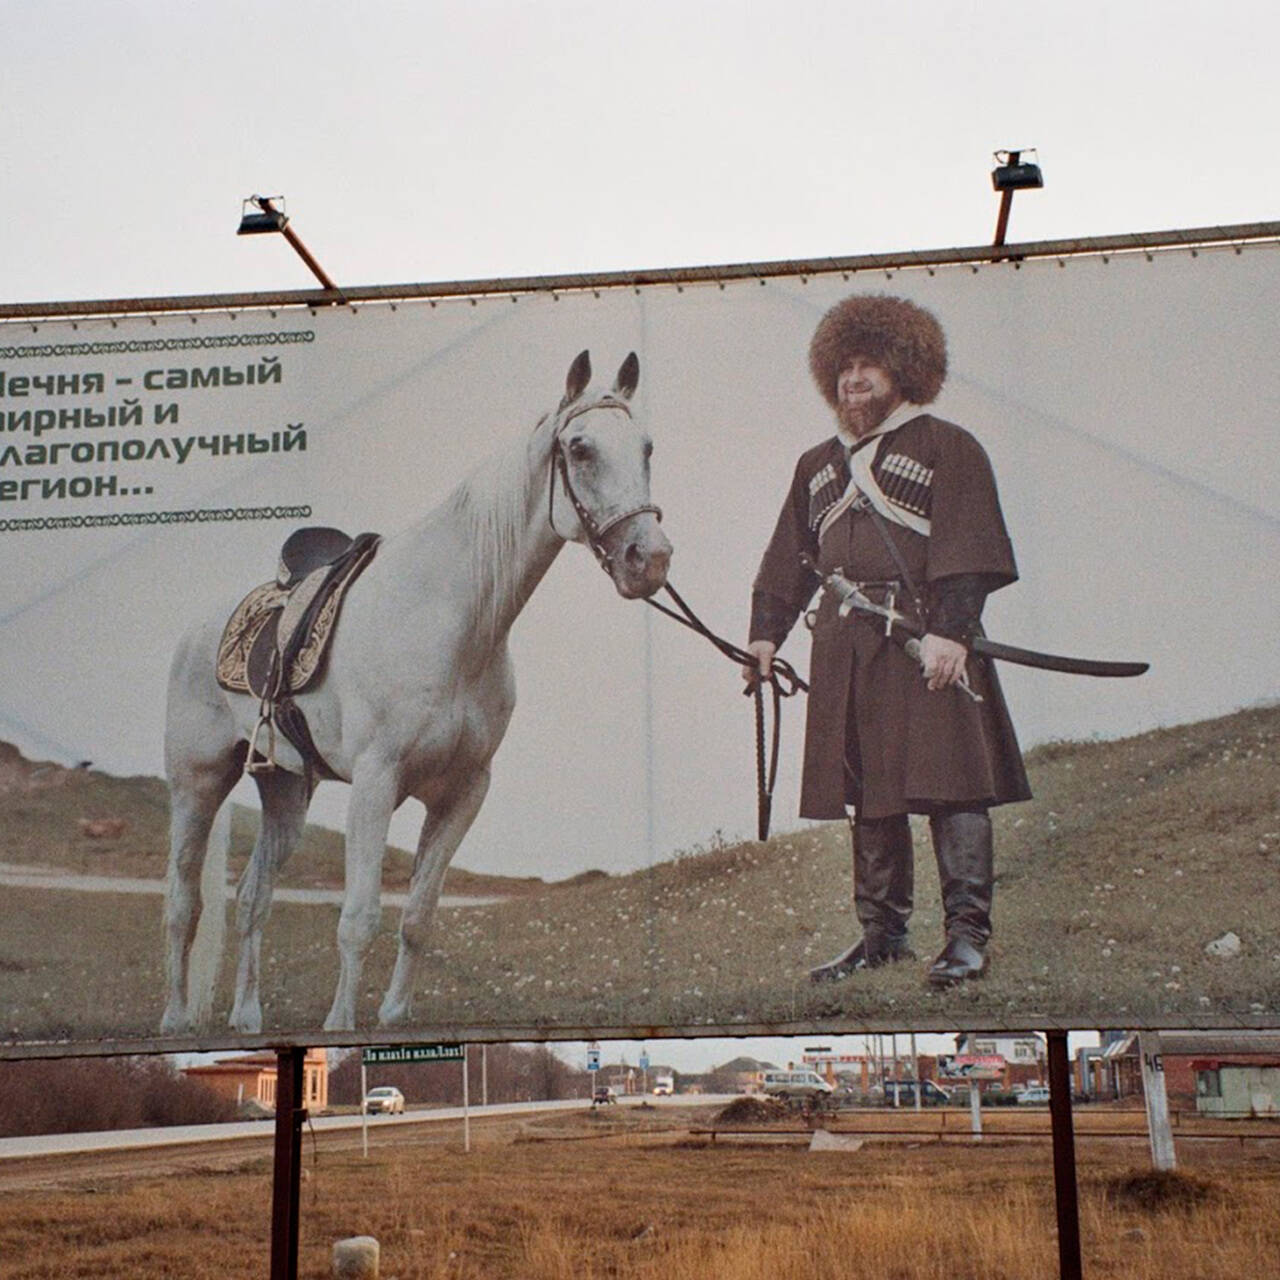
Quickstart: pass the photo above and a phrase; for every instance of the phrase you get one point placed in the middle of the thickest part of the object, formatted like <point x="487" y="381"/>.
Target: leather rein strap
<point x="784" y="681"/>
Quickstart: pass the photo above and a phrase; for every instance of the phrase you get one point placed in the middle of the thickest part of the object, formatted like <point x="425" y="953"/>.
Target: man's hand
<point x="762" y="651"/>
<point x="942" y="661"/>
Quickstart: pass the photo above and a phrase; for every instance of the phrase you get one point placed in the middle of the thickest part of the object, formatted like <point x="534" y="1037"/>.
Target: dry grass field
<point x="637" y="1194"/>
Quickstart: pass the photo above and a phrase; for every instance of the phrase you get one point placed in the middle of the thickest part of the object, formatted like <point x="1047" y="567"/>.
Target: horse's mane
<point x="494" y="502"/>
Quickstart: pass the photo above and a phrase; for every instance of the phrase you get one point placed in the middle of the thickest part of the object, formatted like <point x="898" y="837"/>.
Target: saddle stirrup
<point x="266" y="717"/>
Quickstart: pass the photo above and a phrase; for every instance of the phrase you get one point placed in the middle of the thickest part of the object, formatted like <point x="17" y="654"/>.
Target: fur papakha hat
<point x="893" y="332"/>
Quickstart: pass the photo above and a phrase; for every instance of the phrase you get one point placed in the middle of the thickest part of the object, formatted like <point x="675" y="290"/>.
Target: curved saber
<point x="853" y="599"/>
<point x="1055" y="661"/>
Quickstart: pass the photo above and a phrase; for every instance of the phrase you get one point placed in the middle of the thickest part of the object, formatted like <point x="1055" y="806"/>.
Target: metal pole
<point x="299" y="248"/>
<point x="1006" y="203"/>
<point x="1002" y="219"/>
<point x="915" y="1071"/>
<point x="1064" y="1158"/>
<point x="286" y="1178"/>
<point x="484" y="1075"/>
<point x="466" y="1104"/>
<point x="364" y="1111"/>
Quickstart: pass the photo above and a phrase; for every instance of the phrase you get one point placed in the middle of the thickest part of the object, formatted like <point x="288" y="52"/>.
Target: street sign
<point x="593" y="1059"/>
<point x="644" y="1062"/>
<point x="412" y="1053"/>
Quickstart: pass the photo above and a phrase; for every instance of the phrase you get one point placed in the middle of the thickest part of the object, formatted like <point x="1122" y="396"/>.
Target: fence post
<point x="1156" y="1096"/>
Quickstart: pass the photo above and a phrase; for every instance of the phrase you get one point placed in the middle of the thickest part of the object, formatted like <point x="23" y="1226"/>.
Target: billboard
<point x="600" y="785"/>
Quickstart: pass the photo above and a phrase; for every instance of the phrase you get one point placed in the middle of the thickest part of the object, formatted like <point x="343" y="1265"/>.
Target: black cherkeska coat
<point x="916" y="749"/>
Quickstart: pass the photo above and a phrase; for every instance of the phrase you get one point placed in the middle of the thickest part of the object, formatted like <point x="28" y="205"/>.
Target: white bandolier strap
<point x="864" y="478"/>
<point x="906" y="507"/>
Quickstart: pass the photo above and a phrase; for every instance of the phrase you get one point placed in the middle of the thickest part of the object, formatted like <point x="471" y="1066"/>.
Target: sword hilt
<point x="912" y="649"/>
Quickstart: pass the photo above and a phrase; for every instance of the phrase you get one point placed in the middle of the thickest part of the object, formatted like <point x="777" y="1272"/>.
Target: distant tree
<point x="85" y="1095"/>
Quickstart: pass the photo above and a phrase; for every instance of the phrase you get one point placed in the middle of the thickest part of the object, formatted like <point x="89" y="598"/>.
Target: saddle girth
<point x="276" y="642"/>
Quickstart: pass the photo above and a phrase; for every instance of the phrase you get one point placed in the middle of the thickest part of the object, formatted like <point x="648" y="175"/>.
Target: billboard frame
<point x="1011" y="256"/>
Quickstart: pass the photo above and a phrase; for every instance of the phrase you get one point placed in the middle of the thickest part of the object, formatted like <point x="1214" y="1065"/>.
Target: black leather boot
<point x="962" y="846"/>
<point x="883" y="884"/>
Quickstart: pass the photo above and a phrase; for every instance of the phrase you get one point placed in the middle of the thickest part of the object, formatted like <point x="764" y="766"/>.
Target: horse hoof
<point x="246" y="1021"/>
<point x="337" y="1021"/>
<point x="175" y="1023"/>
<point x="393" y="1014"/>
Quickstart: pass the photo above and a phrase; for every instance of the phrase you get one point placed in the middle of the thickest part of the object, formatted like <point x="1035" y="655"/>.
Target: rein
<point x="783" y="680"/>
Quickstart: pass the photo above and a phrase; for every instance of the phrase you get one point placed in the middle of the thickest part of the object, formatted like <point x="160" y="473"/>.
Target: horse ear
<point x="579" y="375"/>
<point x="628" y="377"/>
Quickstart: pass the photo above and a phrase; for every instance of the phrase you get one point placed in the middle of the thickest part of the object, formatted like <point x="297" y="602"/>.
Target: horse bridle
<point x="594" y="531"/>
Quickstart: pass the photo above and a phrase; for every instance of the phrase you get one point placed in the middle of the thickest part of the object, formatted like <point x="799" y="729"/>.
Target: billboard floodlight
<point x="260" y="215"/>
<point x="1013" y="173"/>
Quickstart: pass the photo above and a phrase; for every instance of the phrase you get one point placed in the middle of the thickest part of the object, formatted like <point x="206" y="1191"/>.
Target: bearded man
<point x="905" y="505"/>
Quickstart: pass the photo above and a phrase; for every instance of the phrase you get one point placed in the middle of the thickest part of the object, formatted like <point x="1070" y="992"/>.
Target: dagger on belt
<point x="852" y="599"/>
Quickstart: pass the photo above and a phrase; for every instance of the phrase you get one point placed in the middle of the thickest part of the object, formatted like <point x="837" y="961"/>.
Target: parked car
<point x="385" y="1100"/>
<point x="902" y="1093"/>
<point x="1034" y="1095"/>
<point x="807" y="1086"/>
<point x="603" y="1094"/>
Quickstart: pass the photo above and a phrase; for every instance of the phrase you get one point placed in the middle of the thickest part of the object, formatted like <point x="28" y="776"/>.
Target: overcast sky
<point x="433" y="141"/>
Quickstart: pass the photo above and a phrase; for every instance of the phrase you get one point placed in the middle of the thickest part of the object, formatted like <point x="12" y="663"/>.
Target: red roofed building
<point x="251" y="1078"/>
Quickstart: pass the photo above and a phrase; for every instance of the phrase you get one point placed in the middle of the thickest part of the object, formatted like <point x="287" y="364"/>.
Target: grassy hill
<point x="43" y="805"/>
<point x="1133" y="857"/>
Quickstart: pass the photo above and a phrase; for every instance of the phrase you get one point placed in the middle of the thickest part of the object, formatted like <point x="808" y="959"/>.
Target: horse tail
<point x="211" y="932"/>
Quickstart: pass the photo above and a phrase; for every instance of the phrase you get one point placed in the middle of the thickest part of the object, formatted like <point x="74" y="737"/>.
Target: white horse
<point x="416" y="696"/>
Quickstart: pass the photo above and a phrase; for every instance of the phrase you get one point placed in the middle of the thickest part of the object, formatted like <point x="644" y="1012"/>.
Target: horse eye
<point x="579" y="449"/>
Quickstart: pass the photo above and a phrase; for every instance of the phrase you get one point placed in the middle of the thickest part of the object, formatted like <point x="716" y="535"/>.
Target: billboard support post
<point x="286" y="1174"/>
<point x="1064" y="1158"/>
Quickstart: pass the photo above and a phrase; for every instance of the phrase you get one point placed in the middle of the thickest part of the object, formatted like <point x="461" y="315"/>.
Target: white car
<point x="386" y="1099"/>
<point x="1034" y="1095"/>
<point x="795" y="1085"/>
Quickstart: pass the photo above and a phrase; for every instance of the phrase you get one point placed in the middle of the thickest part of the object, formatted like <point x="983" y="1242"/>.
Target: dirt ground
<point x="636" y="1193"/>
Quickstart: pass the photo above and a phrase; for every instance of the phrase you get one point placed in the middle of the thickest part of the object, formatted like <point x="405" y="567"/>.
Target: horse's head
<point x="600" y="480"/>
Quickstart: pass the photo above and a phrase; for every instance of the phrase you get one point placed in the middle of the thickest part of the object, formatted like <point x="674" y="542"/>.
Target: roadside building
<point x="251" y="1079"/>
<point x="1222" y="1073"/>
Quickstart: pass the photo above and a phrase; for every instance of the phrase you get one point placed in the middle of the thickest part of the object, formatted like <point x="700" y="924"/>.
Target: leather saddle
<point x="276" y="641"/>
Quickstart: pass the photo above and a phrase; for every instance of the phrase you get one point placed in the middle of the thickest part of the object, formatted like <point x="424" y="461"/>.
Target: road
<point x="55" y="1144"/>
<point x="25" y="877"/>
